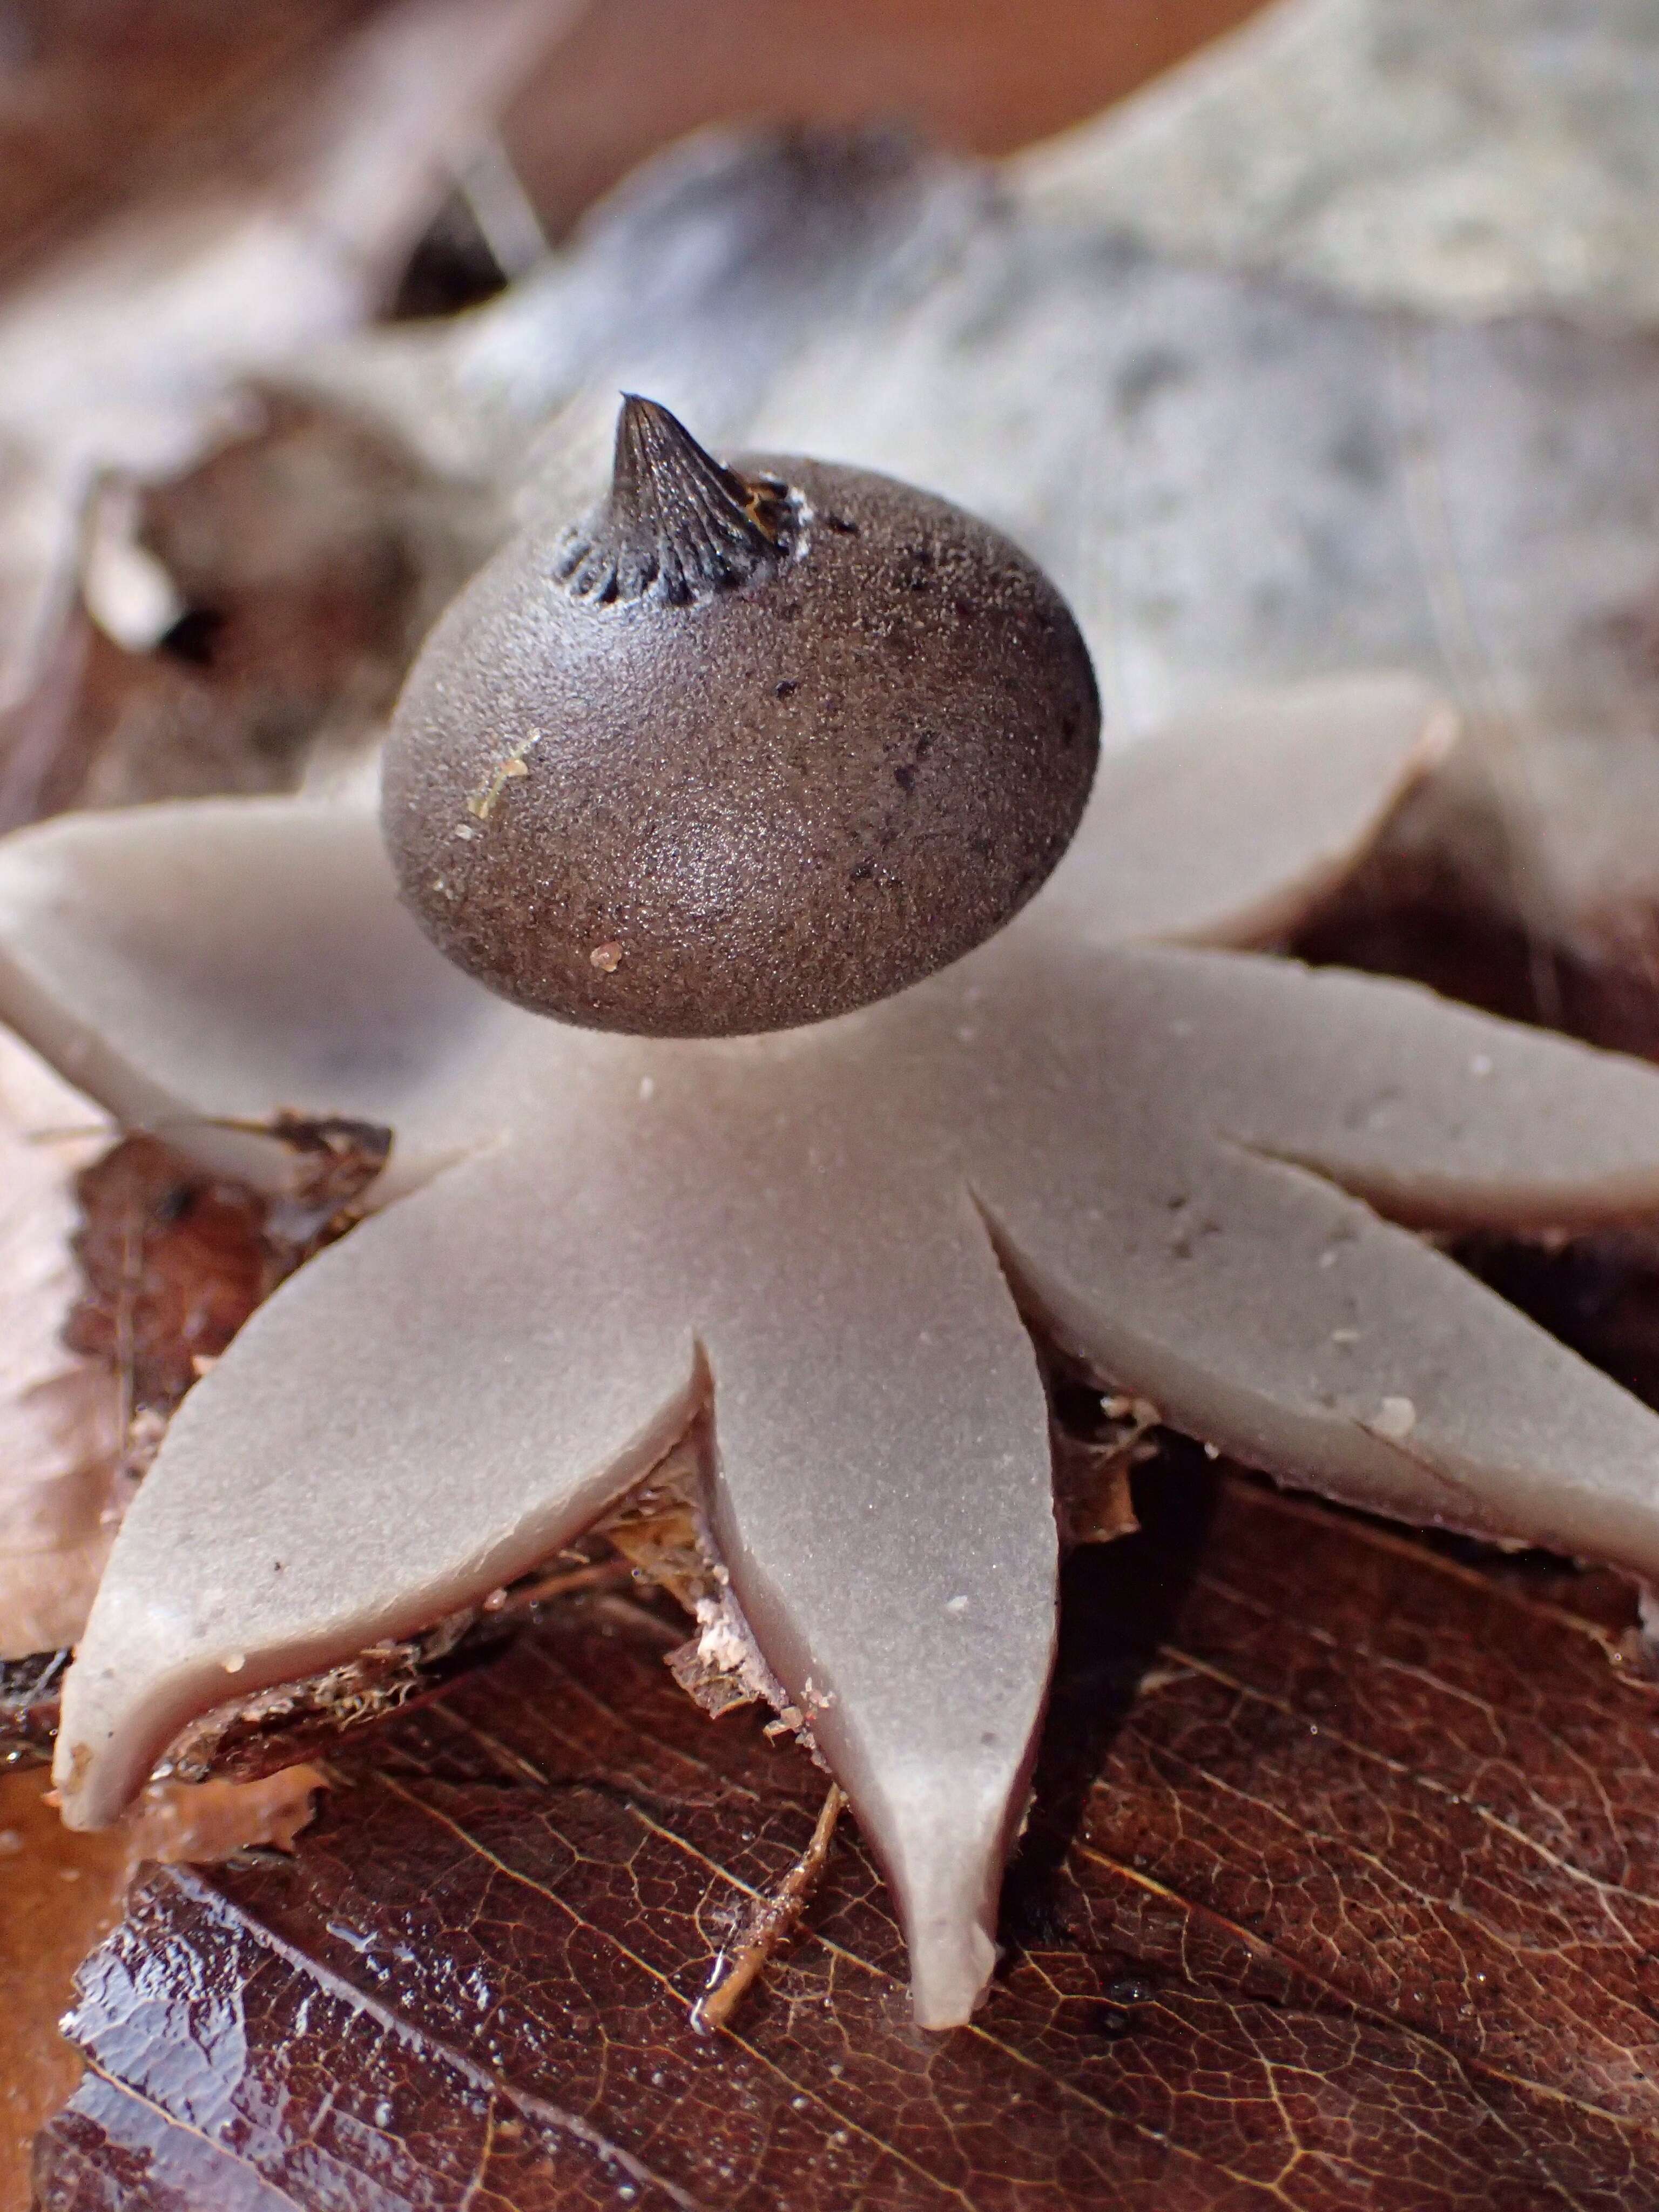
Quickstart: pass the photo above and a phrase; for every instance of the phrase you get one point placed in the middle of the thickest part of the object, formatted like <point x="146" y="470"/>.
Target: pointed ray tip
<point x="943" y="1843"/>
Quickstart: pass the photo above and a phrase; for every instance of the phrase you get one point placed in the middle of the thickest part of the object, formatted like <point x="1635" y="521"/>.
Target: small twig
<point x="770" y="1920"/>
<point x="602" y="1574"/>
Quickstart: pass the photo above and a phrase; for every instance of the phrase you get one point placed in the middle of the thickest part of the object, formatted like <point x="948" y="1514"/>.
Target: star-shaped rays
<point x="1188" y="1164"/>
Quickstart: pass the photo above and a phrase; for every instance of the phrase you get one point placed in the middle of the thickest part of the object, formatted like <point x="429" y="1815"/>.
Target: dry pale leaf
<point x="60" y="1414"/>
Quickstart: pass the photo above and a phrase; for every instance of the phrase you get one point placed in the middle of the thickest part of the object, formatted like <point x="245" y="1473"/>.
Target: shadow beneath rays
<point x="1119" y="1603"/>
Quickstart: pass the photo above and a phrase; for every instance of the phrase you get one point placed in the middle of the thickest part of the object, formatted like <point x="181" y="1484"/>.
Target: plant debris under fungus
<point x="1199" y="1169"/>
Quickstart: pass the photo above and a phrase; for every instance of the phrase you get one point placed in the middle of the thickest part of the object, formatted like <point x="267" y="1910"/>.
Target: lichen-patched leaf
<point x="1334" y="1920"/>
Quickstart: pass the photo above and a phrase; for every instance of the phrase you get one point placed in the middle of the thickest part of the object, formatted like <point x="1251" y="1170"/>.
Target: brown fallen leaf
<point x="94" y="109"/>
<point x="172" y="1261"/>
<point x="1339" y="1893"/>
<point x="59" y="1895"/>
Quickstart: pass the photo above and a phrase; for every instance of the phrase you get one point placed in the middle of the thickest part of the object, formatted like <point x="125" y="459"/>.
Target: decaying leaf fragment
<point x="246" y="622"/>
<point x="201" y="1824"/>
<point x="171" y="1263"/>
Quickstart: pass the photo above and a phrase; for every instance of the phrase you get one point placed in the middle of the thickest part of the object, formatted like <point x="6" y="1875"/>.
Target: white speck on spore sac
<point x="1394" y="1416"/>
<point x="1481" y="1064"/>
<point x="958" y="1604"/>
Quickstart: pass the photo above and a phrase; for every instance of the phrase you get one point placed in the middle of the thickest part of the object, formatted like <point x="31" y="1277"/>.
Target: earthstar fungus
<point x="1182" y="1162"/>
<point x="750" y="746"/>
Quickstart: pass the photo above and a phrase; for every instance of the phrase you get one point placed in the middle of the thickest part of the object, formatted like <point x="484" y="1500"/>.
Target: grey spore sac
<point x="748" y="746"/>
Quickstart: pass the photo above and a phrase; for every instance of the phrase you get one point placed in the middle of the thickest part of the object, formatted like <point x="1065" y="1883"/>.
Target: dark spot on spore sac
<point x="787" y="690"/>
<point x="1358" y="454"/>
<point x="1145" y="375"/>
<point x="915" y="571"/>
<point x="905" y="778"/>
<point x="840" y="525"/>
<point x="193" y="637"/>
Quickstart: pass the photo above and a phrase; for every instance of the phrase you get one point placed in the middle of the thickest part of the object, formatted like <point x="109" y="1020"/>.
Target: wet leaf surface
<point x="1341" y="1891"/>
<point x="59" y="1894"/>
